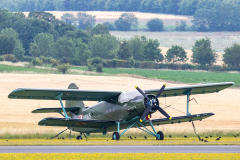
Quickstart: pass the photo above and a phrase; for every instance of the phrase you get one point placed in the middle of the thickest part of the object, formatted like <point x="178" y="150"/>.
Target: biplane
<point x="114" y="110"/>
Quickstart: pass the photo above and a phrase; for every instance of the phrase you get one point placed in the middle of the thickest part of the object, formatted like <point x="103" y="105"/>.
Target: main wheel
<point x="115" y="136"/>
<point x="79" y="137"/>
<point x="160" y="135"/>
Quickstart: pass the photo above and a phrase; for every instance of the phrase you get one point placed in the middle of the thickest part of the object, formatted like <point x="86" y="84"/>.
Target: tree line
<point x="41" y="37"/>
<point x="208" y="15"/>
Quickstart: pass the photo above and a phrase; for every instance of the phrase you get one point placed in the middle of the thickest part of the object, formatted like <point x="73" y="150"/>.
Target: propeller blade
<point x="160" y="91"/>
<point x="163" y="112"/>
<point x="145" y="113"/>
<point x="139" y="90"/>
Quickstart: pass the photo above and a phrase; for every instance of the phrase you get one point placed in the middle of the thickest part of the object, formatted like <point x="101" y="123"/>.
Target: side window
<point x="107" y="111"/>
<point x="113" y="109"/>
<point x="116" y="107"/>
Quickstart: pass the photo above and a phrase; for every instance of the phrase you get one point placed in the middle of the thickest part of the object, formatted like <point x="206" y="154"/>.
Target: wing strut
<point x="188" y="95"/>
<point x="63" y="108"/>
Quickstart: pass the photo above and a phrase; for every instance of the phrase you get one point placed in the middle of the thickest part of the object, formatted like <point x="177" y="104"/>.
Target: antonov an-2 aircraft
<point x="115" y="110"/>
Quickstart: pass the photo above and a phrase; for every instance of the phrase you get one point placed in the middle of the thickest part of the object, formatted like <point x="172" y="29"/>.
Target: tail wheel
<point x="115" y="136"/>
<point x="160" y="135"/>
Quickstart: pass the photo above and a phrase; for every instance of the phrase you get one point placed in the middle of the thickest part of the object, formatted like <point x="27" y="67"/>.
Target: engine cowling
<point x="155" y="101"/>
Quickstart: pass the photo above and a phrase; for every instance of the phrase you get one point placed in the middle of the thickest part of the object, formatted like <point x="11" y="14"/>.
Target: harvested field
<point x="111" y="16"/>
<point x="16" y="116"/>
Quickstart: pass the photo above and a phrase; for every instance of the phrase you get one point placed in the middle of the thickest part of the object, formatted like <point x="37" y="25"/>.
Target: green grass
<point x="176" y="76"/>
<point x="167" y="75"/>
<point x="8" y="68"/>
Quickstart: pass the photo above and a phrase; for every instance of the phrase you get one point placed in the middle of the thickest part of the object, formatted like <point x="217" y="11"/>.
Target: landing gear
<point x="79" y="137"/>
<point x="115" y="136"/>
<point x="160" y="135"/>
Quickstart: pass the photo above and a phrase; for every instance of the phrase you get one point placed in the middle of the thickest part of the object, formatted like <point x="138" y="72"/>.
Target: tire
<point x="79" y="137"/>
<point x="161" y="135"/>
<point x="115" y="136"/>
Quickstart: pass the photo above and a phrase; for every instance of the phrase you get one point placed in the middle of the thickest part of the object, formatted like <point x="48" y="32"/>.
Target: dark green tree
<point x="104" y="46"/>
<point x="45" y="42"/>
<point x="29" y="28"/>
<point x="42" y="15"/>
<point x="18" y="49"/>
<point x="232" y="55"/>
<point x="111" y="26"/>
<point x="7" y="44"/>
<point x="176" y="54"/>
<point x="34" y="50"/>
<point x="85" y="20"/>
<point x="182" y="26"/>
<point x="187" y="7"/>
<point x="61" y="27"/>
<point x="64" y="47"/>
<point x="135" y="47"/>
<point x="82" y="53"/>
<point x="217" y="15"/>
<point x="123" y="52"/>
<point x="203" y="53"/>
<point x="151" y="51"/>
<point x="68" y="18"/>
<point x="155" y="25"/>
<point x="126" y="21"/>
<point x="99" y="29"/>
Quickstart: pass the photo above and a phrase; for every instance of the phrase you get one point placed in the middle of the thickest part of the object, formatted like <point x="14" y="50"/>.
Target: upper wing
<point x="196" y="89"/>
<point x="68" y="94"/>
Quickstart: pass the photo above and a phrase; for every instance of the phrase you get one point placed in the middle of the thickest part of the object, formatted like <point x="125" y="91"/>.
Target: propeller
<point x="152" y="103"/>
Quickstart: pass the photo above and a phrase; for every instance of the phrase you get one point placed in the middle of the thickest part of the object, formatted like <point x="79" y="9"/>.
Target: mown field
<point x="125" y="156"/>
<point x="220" y="40"/>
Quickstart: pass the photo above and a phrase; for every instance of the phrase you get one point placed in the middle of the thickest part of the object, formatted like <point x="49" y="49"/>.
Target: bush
<point x="1" y="58"/>
<point x="74" y="61"/>
<point x="63" y="67"/>
<point x="36" y="62"/>
<point x="90" y="68"/>
<point x="96" y="60"/>
<point x="28" y="58"/>
<point x="9" y="57"/>
<point x="131" y="62"/>
<point x="99" y="68"/>
<point x="14" y="60"/>
<point x="64" y="60"/>
<point x="111" y="26"/>
<point x="46" y="59"/>
<point x="155" y="25"/>
<point x="54" y="62"/>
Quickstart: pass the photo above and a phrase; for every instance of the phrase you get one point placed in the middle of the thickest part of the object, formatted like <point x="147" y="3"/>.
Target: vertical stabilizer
<point x="74" y="103"/>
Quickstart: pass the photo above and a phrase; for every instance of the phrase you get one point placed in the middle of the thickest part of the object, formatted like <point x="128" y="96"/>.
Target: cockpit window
<point x="127" y="96"/>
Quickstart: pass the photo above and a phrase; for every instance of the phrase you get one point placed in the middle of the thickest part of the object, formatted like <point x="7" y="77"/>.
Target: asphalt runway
<point x="120" y="149"/>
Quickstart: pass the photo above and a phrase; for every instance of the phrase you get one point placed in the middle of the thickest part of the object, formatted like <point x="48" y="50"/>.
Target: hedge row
<point x="115" y="63"/>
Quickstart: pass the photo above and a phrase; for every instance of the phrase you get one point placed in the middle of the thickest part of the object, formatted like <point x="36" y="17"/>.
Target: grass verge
<point x="125" y="156"/>
<point x="122" y="141"/>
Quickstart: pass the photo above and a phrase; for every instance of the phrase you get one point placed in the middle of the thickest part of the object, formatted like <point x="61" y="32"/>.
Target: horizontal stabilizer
<point x="57" y="110"/>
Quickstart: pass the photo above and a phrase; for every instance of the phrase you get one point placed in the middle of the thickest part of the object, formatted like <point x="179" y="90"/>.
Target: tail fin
<point x="70" y="103"/>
